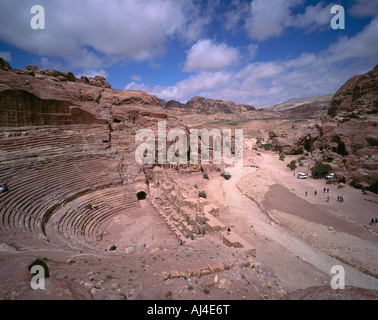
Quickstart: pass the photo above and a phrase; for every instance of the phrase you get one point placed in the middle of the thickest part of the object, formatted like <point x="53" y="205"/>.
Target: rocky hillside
<point x="357" y="98"/>
<point x="200" y="105"/>
<point x="313" y="107"/>
<point x="348" y="139"/>
<point x="321" y="101"/>
<point x="33" y="96"/>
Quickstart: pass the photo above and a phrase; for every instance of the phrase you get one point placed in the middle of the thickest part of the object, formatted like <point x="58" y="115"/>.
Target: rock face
<point x="34" y="97"/>
<point x="348" y="140"/>
<point x="357" y="97"/>
<point x="207" y="106"/>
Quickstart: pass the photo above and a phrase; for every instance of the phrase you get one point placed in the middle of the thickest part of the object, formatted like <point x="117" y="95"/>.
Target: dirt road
<point x="283" y="241"/>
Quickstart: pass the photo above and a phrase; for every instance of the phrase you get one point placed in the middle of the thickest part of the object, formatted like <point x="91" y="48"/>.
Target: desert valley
<point x="107" y="228"/>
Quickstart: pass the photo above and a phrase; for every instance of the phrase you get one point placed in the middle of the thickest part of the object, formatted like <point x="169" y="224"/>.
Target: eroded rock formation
<point x="201" y="105"/>
<point x="348" y="139"/>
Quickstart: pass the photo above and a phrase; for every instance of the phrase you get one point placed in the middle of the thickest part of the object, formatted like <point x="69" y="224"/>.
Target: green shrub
<point x="206" y="176"/>
<point x="196" y="186"/>
<point x="282" y="157"/>
<point x="292" y="165"/>
<point x="267" y="146"/>
<point x="226" y="175"/>
<point x="202" y="194"/>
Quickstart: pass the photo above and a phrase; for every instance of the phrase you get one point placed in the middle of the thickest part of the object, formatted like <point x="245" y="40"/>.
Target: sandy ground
<point x="317" y="232"/>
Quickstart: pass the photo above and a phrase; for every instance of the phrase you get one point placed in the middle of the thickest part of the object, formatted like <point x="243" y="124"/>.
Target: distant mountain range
<point x="319" y="101"/>
<point x="201" y="105"/>
<point x="310" y="106"/>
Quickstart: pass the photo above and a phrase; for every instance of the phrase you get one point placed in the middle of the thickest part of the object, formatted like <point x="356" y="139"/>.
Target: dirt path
<point x="295" y="262"/>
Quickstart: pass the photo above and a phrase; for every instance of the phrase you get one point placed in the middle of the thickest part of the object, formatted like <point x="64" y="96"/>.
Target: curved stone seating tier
<point x="75" y="227"/>
<point x="47" y="167"/>
<point x="28" y="206"/>
<point x="50" y="142"/>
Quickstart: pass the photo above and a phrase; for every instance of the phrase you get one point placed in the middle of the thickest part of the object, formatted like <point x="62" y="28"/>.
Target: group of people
<point x="91" y="207"/>
<point x="373" y="221"/>
<point x="326" y="190"/>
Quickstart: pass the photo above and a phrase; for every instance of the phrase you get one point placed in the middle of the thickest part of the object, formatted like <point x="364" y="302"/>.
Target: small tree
<point x="320" y="170"/>
<point x="292" y="165"/>
<point x="206" y="176"/>
<point x="282" y="157"/>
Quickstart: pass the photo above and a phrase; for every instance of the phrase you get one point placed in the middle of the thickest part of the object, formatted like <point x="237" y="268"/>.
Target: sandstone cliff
<point x="348" y="139"/>
<point x="33" y="96"/>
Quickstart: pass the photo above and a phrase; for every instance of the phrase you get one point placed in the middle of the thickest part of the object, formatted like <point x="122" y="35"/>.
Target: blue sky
<point x="258" y="52"/>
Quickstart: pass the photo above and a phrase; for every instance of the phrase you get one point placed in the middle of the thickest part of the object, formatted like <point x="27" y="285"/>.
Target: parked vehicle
<point x="330" y="176"/>
<point x="302" y="175"/>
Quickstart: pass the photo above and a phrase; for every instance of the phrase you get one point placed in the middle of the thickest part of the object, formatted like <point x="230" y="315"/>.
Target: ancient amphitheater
<point x="68" y="144"/>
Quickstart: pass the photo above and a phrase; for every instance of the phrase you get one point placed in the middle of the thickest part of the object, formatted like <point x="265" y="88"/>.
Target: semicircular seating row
<point x="46" y="168"/>
<point x="81" y="227"/>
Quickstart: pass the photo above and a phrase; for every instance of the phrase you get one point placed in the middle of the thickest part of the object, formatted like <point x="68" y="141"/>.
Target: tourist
<point x="306" y="193"/>
<point x="327" y="190"/>
<point x="376" y="221"/>
<point x="327" y="198"/>
<point x="338" y="198"/>
<point x="342" y="199"/>
<point x="228" y="230"/>
<point x="4" y="187"/>
<point x="372" y="222"/>
<point x="324" y="190"/>
<point x="315" y="193"/>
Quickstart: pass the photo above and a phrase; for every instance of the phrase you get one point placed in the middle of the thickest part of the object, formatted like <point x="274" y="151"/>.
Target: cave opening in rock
<point x="141" y="195"/>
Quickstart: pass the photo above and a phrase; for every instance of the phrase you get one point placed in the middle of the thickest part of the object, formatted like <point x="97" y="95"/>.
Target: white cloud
<point x="136" y="78"/>
<point x="108" y="31"/>
<point x="252" y="48"/>
<point x="208" y="55"/>
<point x="93" y="73"/>
<point x="6" y="55"/>
<point x="268" y="19"/>
<point x="236" y="12"/>
<point x="271" y="82"/>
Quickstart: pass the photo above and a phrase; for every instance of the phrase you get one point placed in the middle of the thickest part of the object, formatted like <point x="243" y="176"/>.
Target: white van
<point x="302" y="175"/>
